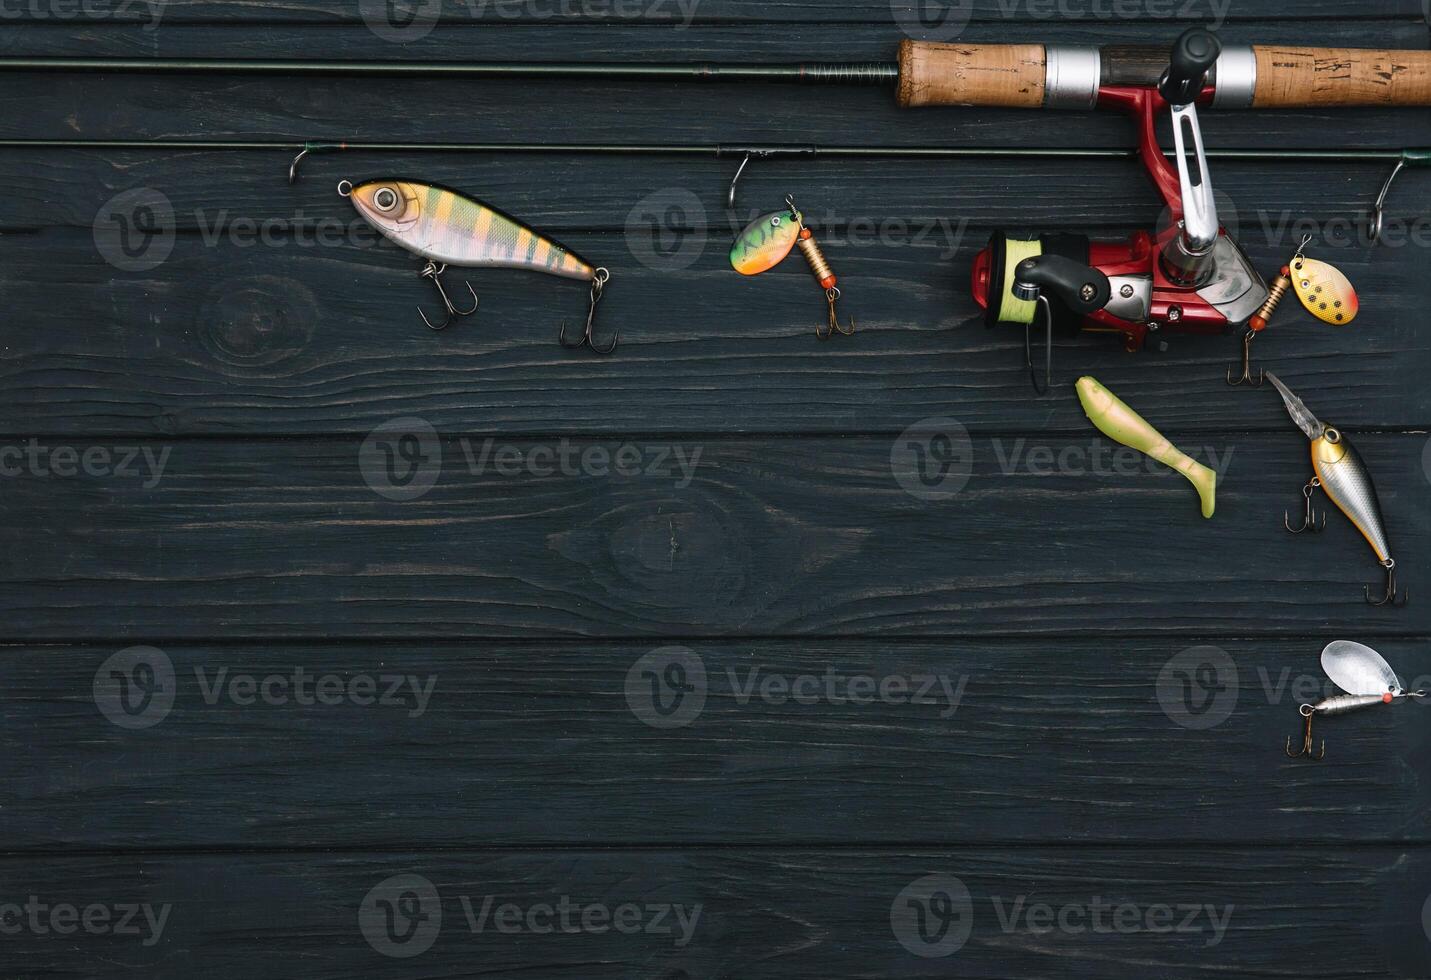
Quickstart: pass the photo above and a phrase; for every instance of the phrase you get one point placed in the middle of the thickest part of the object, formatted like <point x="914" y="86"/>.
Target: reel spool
<point x="993" y="279"/>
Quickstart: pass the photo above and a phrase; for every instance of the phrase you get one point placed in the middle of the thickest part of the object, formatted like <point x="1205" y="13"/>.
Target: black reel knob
<point x="1193" y="56"/>
<point x="1080" y="288"/>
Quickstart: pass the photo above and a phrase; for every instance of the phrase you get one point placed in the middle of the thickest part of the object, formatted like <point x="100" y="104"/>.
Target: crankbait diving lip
<point x="1116" y="420"/>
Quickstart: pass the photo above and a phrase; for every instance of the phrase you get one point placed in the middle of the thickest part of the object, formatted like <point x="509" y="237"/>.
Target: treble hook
<point x="1246" y="378"/>
<point x="1307" y="711"/>
<point x="434" y="270"/>
<point x="598" y="284"/>
<point x="832" y="295"/>
<point x="1309" y="518"/>
<point x="1391" y="596"/>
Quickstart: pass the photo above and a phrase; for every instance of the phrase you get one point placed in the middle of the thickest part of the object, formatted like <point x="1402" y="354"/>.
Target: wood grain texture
<point x="454" y="745"/>
<point x="757" y="537"/>
<point x="781" y="913"/>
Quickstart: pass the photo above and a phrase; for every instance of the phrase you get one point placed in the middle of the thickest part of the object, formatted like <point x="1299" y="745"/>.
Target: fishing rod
<point x="1414" y="157"/>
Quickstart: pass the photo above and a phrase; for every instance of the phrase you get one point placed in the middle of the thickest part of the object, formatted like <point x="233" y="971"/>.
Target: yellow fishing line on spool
<point x="1011" y="308"/>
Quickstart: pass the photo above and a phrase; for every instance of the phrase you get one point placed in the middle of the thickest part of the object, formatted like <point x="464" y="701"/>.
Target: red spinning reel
<point x="1191" y="277"/>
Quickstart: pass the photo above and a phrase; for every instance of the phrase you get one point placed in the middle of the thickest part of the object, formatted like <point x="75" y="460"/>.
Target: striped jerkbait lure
<point x="447" y="228"/>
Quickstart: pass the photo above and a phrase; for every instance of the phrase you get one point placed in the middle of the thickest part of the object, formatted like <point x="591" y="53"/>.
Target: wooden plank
<point x="208" y="192"/>
<point x="241" y="338"/>
<point x="554" y="13"/>
<point x="764" y="744"/>
<point x="640" y="537"/>
<point x="1189" y="912"/>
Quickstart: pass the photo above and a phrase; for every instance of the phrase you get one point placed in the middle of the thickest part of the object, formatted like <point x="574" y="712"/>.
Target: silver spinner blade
<point x="1358" y="669"/>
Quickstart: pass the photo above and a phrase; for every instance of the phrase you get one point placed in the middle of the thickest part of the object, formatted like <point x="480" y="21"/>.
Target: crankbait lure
<point x="766" y="242"/>
<point x="1366" y="677"/>
<point x="1324" y="291"/>
<point x="1119" y="422"/>
<point x="1338" y="469"/>
<point x="447" y="228"/>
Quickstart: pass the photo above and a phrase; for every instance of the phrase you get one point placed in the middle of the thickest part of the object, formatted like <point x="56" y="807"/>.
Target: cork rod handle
<point x="970" y="74"/>
<point x="1290" y="78"/>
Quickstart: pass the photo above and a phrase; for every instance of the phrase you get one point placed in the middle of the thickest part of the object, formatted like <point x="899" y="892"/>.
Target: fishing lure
<point x="1119" y="422"/>
<point x="766" y="242"/>
<point x="447" y="228"/>
<point x="1366" y="677"/>
<point x="1324" y="291"/>
<point x="1338" y="469"/>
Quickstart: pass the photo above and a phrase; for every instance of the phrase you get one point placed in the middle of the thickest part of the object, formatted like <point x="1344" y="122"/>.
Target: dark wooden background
<point x="1058" y="598"/>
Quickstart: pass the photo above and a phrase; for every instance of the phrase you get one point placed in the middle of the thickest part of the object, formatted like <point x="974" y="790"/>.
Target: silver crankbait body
<point x="1338" y="469"/>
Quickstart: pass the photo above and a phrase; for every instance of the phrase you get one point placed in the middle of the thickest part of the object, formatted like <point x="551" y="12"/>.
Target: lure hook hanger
<point x="587" y="338"/>
<point x="1307" y="712"/>
<point x="434" y="270"/>
<point x="1392" y="596"/>
<point x="1309" y="516"/>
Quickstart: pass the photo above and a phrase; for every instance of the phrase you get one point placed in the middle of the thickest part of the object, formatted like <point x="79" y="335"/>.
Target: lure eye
<point x="385" y="199"/>
<point x="775" y="221"/>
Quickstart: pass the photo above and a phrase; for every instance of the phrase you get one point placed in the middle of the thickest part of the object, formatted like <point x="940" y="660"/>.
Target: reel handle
<point x="1194" y="54"/>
